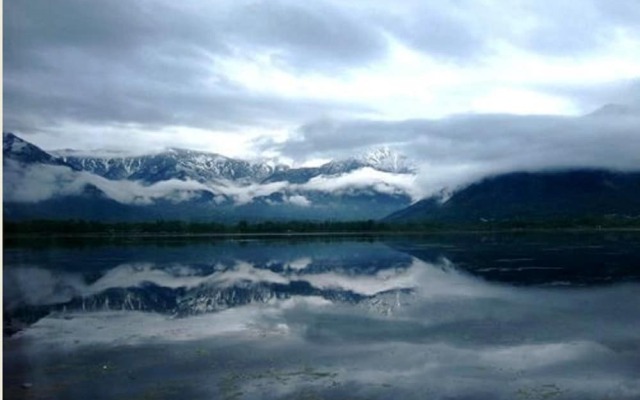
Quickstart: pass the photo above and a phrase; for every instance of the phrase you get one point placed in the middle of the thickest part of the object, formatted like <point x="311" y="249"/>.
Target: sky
<point x="463" y="88"/>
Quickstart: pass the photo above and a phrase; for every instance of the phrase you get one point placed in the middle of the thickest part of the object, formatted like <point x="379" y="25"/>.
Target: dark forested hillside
<point x="542" y="196"/>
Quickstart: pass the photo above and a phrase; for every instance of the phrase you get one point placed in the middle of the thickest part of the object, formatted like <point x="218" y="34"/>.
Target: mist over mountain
<point x="193" y="185"/>
<point x="546" y="196"/>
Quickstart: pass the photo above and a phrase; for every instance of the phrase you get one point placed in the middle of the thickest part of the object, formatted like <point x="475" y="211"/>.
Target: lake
<point x="466" y="316"/>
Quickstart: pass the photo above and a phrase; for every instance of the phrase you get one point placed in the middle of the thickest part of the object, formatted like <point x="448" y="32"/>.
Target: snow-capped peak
<point x="385" y="159"/>
<point x="13" y="144"/>
<point x="22" y="151"/>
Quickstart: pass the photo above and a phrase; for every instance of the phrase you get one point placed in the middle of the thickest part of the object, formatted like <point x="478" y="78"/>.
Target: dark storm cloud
<point x="154" y="63"/>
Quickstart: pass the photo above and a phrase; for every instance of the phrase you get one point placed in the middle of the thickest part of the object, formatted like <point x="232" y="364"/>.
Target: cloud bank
<point x="463" y="148"/>
<point x="221" y="75"/>
<point x="39" y="182"/>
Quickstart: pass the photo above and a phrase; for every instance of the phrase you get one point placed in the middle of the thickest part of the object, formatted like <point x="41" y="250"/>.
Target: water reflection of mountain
<point x="348" y="273"/>
<point x="196" y="278"/>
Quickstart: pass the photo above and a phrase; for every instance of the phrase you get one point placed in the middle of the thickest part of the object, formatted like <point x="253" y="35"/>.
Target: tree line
<point x="159" y="227"/>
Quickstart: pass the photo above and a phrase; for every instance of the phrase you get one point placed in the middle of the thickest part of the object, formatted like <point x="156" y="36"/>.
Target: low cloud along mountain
<point x="180" y="183"/>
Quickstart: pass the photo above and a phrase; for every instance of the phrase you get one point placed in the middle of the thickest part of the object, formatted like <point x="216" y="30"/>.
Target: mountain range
<point x="180" y="184"/>
<point x="195" y="185"/>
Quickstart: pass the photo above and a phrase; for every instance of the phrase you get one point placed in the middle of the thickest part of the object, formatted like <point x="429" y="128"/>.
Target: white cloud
<point x="36" y="183"/>
<point x="298" y="200"/>
<point x="137" y="274"/>
<point x="363" y="178"/>
<point x="245" y="194"/>
<point x="32" y="285"/>
<point x="300" y="263"/>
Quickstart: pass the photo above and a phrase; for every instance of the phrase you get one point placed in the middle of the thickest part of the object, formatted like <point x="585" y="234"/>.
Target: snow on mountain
<point x="204" y="167"/>
<point x="174" y="164"/>
<point x="382" y="160"/>
<point x="385" y="159"/>
<point x="13" y="144"/>
<point x="191" y="184"/>
<point x="16" y="149"/>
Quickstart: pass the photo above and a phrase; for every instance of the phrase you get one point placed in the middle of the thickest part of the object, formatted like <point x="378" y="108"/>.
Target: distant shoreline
<point x="169" y="235"/>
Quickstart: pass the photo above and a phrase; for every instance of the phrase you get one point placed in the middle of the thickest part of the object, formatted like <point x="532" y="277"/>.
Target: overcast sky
<point x="462" y="87"/>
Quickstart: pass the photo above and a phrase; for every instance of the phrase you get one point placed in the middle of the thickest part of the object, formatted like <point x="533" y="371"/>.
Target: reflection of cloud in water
<point x="300" y="263"/>
<point x="444" y="303"/>
<point x="424" y="279"/>
<point x="130" y="327"/>
<point x="32" y="285"/>
<point x="38" y="286"/>
<point x="455" y="336"/>
<point x="135" y="275"/>
<point x="427" y="280"/>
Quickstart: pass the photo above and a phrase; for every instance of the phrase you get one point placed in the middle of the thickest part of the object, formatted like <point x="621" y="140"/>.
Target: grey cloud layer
<point x="155" y="63"/>
<point x="458" y="149"/>
<point x="592" y="97"/>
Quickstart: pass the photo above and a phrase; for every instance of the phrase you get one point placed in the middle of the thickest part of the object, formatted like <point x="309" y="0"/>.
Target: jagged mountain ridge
<point x="385" y="159"/>
<point x="191" y="185"/>
<point x="183" y="164"/>
<point x="381" y="159"/>
<point x="185" y="302"/>
<point x="19" y="150"/>
<point x="222" y="282"/>
<point x="174" y="163"/>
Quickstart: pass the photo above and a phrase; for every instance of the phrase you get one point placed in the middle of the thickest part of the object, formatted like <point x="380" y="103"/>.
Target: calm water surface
<point x="439" y="317"/>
